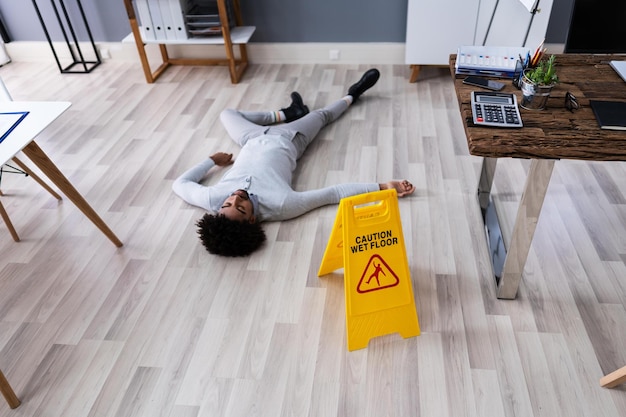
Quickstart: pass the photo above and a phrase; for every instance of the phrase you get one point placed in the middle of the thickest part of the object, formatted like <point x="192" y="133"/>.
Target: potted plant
<point x="537" y="83"/>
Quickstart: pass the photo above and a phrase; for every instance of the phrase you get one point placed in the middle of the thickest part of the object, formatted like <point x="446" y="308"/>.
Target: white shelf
<point x="238" y="35"/>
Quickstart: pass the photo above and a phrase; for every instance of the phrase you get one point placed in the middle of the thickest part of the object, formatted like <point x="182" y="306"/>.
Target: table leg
<point x="39" y="158"/>
<point x="614" y="379"/>
<point x="7" y="221"/>
<point x="34" y="176"/>
<point x="524" y="228"/>
<point x="8" y="392"/>
<point x="485" y="182"/>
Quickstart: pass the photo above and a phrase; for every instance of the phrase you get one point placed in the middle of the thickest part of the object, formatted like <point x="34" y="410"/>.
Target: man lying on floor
<point x="258" y="186"/>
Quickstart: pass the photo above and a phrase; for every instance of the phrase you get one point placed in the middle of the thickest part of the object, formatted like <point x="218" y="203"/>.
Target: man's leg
<point x="243" y="125"/>
<point x="305" y="129"/>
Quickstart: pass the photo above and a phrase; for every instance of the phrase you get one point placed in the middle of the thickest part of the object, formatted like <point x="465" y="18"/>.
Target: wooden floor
<point x="161" y="328"/>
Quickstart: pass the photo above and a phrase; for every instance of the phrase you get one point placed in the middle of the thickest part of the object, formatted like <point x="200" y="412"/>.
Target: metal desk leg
<point x="525" y="224"/>
<point x="493" y="230"/>
<point x="485" y="182"/>
<point x="39" y="158"/>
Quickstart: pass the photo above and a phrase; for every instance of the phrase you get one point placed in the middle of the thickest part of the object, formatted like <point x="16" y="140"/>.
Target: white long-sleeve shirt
<point x="265" y="168"/>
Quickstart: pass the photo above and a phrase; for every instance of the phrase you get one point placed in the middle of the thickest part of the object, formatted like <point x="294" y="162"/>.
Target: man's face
<point x="238" y="207"/>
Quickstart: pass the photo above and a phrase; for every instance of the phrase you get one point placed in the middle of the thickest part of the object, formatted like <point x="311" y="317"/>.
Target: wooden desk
<point x="547" y="135"/>
<point x="40" y="115"/>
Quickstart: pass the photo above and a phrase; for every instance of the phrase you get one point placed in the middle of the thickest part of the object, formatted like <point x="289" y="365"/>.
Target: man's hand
<point x="403" y="188"/>
<point x="222" y="159"/>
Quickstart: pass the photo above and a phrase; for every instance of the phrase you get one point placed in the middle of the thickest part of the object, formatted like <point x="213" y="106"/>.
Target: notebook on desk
<point x="611" y="115"/>
<point x="619" y="67"/>
<point x="9" y="121"/>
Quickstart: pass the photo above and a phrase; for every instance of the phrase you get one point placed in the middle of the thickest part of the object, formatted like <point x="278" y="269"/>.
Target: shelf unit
<point x="231" y="37"/>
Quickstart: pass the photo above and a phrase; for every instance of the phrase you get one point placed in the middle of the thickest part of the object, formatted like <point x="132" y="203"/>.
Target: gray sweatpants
<point x="245" y="125"/>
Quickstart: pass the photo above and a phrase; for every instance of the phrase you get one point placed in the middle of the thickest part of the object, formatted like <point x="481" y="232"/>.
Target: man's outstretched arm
<point x="188" y="186"/>
<point x="299" y="203"/>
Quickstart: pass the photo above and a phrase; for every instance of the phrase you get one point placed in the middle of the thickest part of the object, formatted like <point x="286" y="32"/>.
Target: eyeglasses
<point x="571" y="103"/>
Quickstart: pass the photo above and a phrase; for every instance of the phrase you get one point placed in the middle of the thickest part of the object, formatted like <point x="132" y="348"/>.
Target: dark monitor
<point x="597" y="26"/>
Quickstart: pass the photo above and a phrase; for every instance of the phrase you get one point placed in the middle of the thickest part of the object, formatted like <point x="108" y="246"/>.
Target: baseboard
<point x="262" y="53"/>
<point x="328" y="53"/>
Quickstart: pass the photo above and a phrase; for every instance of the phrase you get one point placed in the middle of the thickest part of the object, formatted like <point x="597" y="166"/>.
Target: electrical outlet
<point x="333" y="54"/>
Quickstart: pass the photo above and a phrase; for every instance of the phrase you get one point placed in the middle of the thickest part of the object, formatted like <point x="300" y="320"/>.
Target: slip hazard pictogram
<point x="377" y="276"/>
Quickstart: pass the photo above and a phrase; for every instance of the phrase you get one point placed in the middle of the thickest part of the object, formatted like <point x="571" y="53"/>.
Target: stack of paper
<point x="620" y="68"/>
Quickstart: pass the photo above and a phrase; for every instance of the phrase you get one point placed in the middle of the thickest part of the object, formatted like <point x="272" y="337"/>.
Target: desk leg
<point x="485" y="182"/>
<point x="39" y="158"/>
<point x="524" y="228"/>
<point x="614" y="379"/>
<point x="7" y="221"/>
<point x="34" y="176"/>
<point x="8" y="392"/>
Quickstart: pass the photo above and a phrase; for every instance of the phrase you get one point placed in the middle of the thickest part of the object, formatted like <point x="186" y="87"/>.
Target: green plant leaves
<point x="544" y="73"/>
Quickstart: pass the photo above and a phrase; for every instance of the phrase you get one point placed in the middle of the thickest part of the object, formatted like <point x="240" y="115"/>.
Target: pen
<point x="543" y="51"/>
<point x="536" y="55"/>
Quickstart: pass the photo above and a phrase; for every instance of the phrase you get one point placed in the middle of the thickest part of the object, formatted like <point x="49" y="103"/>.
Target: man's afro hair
<point x="225" y="237"/>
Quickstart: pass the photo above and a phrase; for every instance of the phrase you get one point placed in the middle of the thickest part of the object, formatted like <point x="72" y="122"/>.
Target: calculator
<point x="495" y="109"/>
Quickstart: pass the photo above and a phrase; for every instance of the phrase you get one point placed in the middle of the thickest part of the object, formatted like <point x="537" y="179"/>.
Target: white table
<point x="22" y="138"/>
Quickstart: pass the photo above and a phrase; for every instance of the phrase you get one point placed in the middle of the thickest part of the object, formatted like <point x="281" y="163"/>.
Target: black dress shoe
<point x="296" y="110"/>
<point x="366" y="82"/>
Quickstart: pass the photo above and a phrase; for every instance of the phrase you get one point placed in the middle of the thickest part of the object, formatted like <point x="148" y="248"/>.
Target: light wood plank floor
<point x="161" y="328"/>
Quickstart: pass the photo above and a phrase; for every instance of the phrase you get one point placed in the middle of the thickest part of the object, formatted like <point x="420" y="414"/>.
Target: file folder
<point x="145" y="20"/>
<point x="157" y="19"/>
<point x="177" y="12"/>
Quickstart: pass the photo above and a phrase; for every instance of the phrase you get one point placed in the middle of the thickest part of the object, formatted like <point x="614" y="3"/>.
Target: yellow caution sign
<point x="367" y="241"/>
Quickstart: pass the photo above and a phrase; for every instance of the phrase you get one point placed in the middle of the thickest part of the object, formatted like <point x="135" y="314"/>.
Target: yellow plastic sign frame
<point x="367" y="241"/>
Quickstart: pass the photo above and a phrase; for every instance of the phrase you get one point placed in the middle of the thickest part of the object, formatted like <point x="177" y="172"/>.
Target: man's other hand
<point x="222" y="159"/>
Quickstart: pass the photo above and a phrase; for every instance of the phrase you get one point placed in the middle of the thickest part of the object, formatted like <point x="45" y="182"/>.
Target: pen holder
<point x="534" y="96"/>
<point x="518" y="74"/>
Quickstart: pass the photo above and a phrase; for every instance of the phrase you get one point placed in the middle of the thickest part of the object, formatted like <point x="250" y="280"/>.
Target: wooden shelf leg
<point x="228" y="45"/>
<point x="243" y="64"/>
<point x="164" y="64"/>
<point x="141" y="49"/>
<point x="243" y="52"/>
